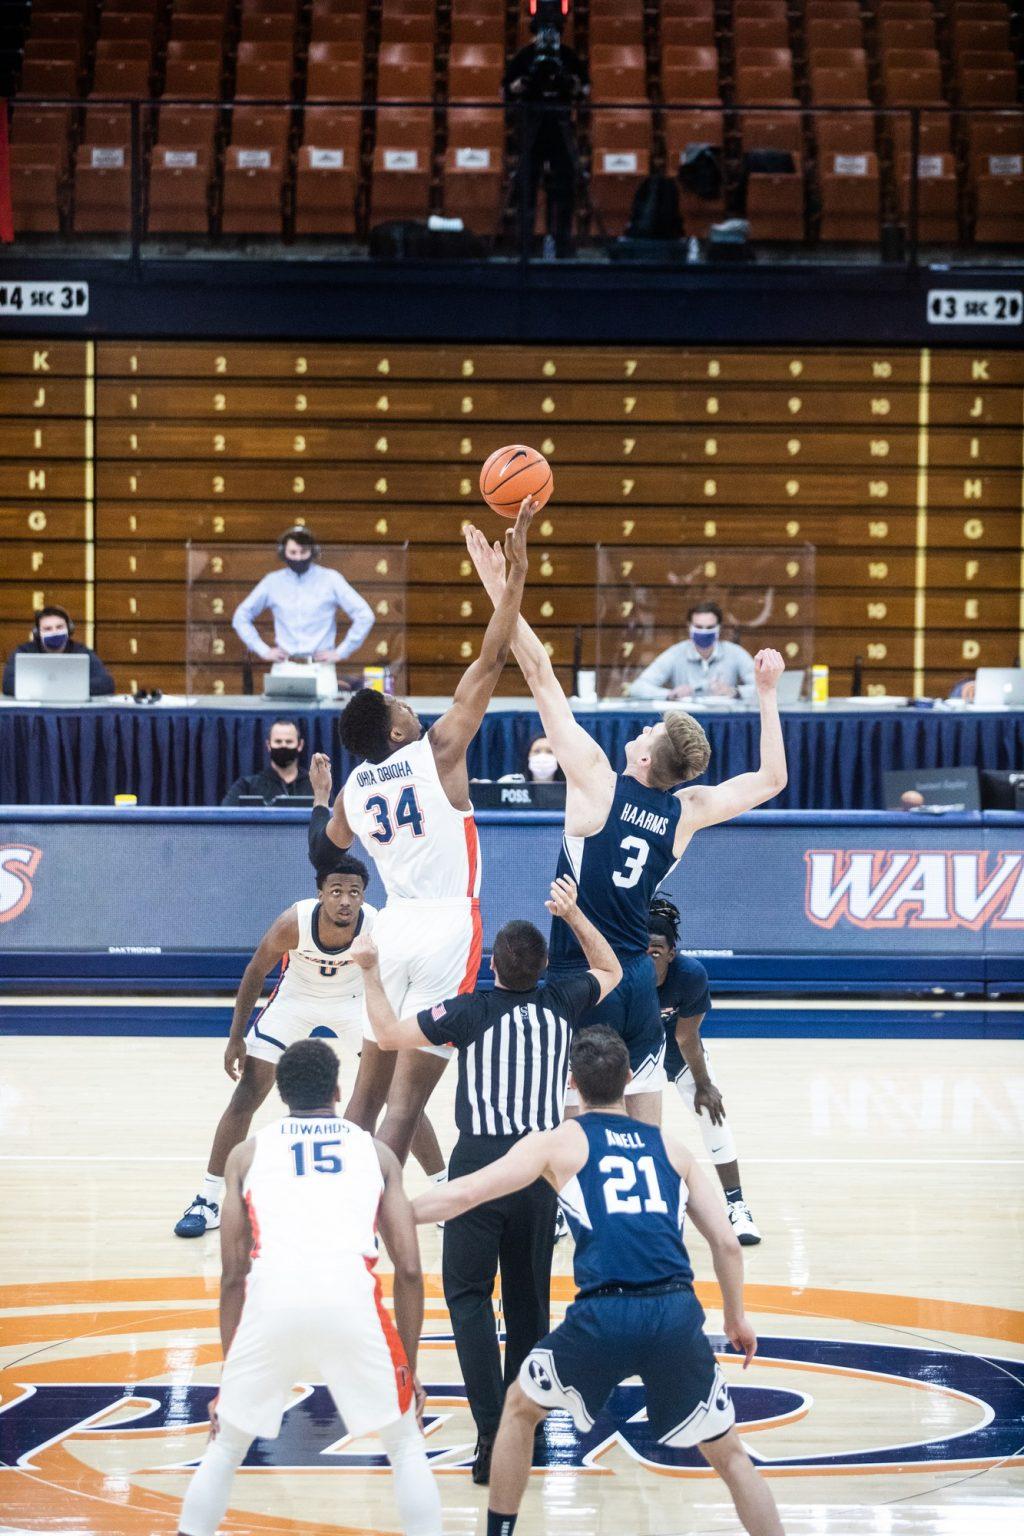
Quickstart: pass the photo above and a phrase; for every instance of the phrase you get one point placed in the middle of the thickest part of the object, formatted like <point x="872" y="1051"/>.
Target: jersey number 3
<point x="637" y="852"/>
<point x="407" y="813"/>
<point x="620" y="1182"/>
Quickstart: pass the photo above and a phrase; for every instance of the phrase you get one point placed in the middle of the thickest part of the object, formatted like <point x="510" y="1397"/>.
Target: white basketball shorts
<point x="286" y="1019"/>
<point x="345" y="1339"/>
<point x="429" y="951"/>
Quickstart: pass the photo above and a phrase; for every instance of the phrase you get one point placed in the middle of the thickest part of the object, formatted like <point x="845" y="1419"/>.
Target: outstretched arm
<point x="524" y="1164"/>
<point x="597" y="952"/>
<point x="578" y="754"/>
<point x="706" y="805"/>
<point x="452" y="734"/>
<point x="390" y="1032"/>
<point x="280" y="937"/>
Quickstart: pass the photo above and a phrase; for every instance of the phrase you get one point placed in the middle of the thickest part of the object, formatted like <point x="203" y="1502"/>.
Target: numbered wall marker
<point x="975" y="306"/>
<point x="28" y="298"/>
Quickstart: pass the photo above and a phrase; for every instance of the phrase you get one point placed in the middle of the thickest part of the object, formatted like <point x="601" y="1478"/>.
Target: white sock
<point x="419" y="1503"/>
<point x="206" y="1500"/>
<point x="439" y="1178"/>
<point x="213" y="1189"/>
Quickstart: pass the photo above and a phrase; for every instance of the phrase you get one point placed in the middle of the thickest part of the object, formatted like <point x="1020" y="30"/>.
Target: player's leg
<point x="416" y="1494"/>
<point x="426" y="1149"/>
<point x="633" y="1011"/>
<point x="416" y="1075"/>
<point x="256" y="1081"/>
<point x="720" y="1144"/>
<point x="751" y="1494"/>
<point x="512" y="1459"/>
<point x="469" y="1267"/>
<point x="206" y="1499"/>
<point x="370" y="1090"/>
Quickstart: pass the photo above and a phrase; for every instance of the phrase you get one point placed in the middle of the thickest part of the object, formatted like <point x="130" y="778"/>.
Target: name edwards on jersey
<point x="646" y="821"/>
<point x="384" y="773"/>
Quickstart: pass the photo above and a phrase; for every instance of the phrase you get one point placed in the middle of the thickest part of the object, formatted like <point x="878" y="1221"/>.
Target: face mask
<point x="283" y="757"/>
<point x="704" y="639"/>
<point x="543" y="765"/>
<point x="300" y="567"/>
<point x="55" y="642"/>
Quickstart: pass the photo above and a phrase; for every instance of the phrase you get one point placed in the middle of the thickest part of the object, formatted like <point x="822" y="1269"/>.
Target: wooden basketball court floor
<point x="888" y="1294"/>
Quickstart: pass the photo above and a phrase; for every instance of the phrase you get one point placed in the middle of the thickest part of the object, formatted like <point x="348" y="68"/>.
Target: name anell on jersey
<point x="647" y="821"/>
<point x="631" y="1140"/>
<point x="383" y="774"/>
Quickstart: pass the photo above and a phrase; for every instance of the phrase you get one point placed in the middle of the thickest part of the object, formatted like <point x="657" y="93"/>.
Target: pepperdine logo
<point x="18" y="864"/>
<point x="891" y="888"/>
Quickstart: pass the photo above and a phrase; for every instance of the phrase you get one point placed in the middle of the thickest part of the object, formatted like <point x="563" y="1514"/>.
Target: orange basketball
<point x="512" y="473"/>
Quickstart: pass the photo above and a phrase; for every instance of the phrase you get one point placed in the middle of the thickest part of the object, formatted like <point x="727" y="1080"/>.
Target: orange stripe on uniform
<point x="476" y="950"/>
<point x="472" y="855"/>
<point x="396" y="1349"/>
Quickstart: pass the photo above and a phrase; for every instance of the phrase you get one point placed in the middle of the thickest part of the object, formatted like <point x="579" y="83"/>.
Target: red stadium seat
<point x="850" y="198"/>
<point x="179" y="190"/>
<point x="333" y="74"/>
<point x="685" y="131"/>
<point x="937" y="221"/>
<point x="834" y="32"/>
<point x="775" y="204"/>
<point x="253" y="190"/>
<point x="759" y="32"/>
<point x="120" y="78"/>
<point x="689" y="75"/>
<point x="36" y="171"/>
<point x="187" y="128"/>
<point x="326" y="184"/>
<point x="849" y="133"/>
<point x="402" y="165"/>
<point x="259" y="127"/>
<point x="49" y="77"/>
<point x="193" y="79"/>
<point x="687" y="31"/>
<point x="839" y="77"/>
<point x="473" y="168"/>
<point x="474" y="73"/>
<point x="103" y="189"/>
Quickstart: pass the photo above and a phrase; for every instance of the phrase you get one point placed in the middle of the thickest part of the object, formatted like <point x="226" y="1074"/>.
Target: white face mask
<point x="543" y="765"/>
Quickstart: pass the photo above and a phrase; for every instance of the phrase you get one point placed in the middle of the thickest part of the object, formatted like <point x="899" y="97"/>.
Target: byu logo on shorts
<point x="540" y="1377"/>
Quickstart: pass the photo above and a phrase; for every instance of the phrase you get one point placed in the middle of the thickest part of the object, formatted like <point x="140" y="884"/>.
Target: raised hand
<point x="563" y="897"/>
<point x="363" y="952"/>
<point x="515" y="538"/>
<point x="768" y="668"/>
<point x="320" y="777"/>
<point x="489" y="561"/>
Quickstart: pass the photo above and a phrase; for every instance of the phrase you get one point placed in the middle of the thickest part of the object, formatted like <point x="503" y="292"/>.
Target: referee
<point x="513" y="1045"/>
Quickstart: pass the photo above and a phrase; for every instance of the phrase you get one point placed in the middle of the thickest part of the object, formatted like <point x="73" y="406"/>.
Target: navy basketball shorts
<point x="656" y="1335"/>
<point x="694" y="1002"/>
<point x="633" y="1011"/>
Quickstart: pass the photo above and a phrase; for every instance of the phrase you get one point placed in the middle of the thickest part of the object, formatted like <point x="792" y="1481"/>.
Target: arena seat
<point x="36" y="171"/>
<point x="937" y="221"/>
<point x="333" y="74"/>
<point x="271" y="28"/>
<point x="264" y="71"/>
<point x="620" y="159"/>
<point x="690" y="75"/>
<point x="934" y="132"/>
<point x="46" y="128"/>
<point x="834" y="32"/>
<point x="765" y="75"/>
<point x="191" y="79"/>
<point x="474" y="168"/>
<point x="687" y="31"/>
<point x="901" y="32"/>
<point x="470" y="30"/>
<point x="252" y="191"/>
<point x="261" y="127"/>
<point x="686" y="130"/>
<point x="107" y="125"/>
<point x="198" y="29"/>
<point x="402" y="164"/>
<point x="405" y="82"/>
<point x="326" y="184"/>
<point x="980" y="34"/>
<point x="187" y="128"/>
<point x="759" y="9"/>
<point x="56" y="78"/>
<point x="772" y="130"/>
<point x="339" y="29"/>
<point x="179" y="189"/>
<point x="618" y="73"/>
<point x="759" y="32"/>
<point x="850" y="197"/>
<point x="413" y="29"/>
<point x="475" y="72"/>
<point x="103" y="189"/>
<point x="839" y="77"/>
<point x="986" y="87"/>
<point x="120" y="78"/>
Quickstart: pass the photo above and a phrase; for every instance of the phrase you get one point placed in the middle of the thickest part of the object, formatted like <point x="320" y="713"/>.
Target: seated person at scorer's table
<point x="51" y="635"/>
<point x="304" y="599"/>
<point x="282" y="776"/>
<point x="701" y="665"/>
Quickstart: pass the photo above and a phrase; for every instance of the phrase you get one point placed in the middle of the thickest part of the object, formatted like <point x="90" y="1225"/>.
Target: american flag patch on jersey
<point x="438" y="1011"/>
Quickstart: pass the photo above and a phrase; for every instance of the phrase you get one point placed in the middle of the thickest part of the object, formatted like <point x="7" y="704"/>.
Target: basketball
<point x="512" y="473"/>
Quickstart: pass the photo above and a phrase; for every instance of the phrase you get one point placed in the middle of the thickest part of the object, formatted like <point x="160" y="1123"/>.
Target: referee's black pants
<point x="517" y="1235"/>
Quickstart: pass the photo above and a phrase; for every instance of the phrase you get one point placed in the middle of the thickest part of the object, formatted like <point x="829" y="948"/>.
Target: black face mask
<point x="283" y="757"/>
<point x="300" y="567"/>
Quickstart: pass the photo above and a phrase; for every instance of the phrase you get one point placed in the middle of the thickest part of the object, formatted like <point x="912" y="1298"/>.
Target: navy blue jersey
<point x="684" y="993"/>
<point x="618" y="871"/>
<point x="625" y="1207"/>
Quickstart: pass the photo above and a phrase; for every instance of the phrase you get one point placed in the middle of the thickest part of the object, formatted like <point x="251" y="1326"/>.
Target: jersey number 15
<point x="326" y="1157"/>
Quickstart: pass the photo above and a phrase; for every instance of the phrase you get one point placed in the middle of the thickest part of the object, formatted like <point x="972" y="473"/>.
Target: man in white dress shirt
<point x="304" y="599"/>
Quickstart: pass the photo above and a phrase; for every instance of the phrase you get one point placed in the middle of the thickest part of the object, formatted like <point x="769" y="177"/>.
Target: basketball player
<point x="408" y="803"/>
<point x="685" y="999"/>
<point x="318" y="987"/>
<point x="625" y="1189"/>
<point x="299" y="1298"/>
<point x="625" y="832"/>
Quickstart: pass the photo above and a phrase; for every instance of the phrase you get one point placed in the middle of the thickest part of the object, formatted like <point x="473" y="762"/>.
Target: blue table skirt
<point x="183" y="756"/>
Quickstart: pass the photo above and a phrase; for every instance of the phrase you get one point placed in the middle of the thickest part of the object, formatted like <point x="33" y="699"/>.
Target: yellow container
<point x="819" y="684"/>
<point x="126" y="799"/>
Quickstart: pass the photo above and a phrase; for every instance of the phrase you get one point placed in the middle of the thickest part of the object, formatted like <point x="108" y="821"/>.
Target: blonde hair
<point x="682" y="753"/>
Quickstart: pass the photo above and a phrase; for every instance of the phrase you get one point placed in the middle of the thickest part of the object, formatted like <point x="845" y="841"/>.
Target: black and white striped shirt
<point x="513" y="1052"/>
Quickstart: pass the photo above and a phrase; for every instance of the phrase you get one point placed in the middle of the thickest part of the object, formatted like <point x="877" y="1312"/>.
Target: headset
<point x="304" y="535"/>
<point x="44" y="613"/>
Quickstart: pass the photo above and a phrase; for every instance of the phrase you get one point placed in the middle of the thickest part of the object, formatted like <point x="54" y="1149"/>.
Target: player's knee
<point x="252" y="1087"/>
<point x="519" y="1406"/>
<point x="725" y="1453"/>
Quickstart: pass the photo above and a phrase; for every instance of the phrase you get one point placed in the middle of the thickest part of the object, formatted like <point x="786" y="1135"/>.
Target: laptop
<point x="999" y="688"/>
<point x="791" y="686"/>
<point x="42" y="679"/>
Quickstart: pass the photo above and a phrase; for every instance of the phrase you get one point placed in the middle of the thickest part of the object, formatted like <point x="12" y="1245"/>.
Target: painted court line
<point x="728" y="1004"/>
<point x="867" y="1162"/>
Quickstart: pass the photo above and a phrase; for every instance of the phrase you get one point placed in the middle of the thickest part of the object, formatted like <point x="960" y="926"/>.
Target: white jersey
<point x="312" y="1192"/>
<point x="315" y="973"/>
<point x="424" y="849"/>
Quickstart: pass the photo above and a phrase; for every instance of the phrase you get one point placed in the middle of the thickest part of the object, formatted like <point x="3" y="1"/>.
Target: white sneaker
<point x="743" y="1223"/>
